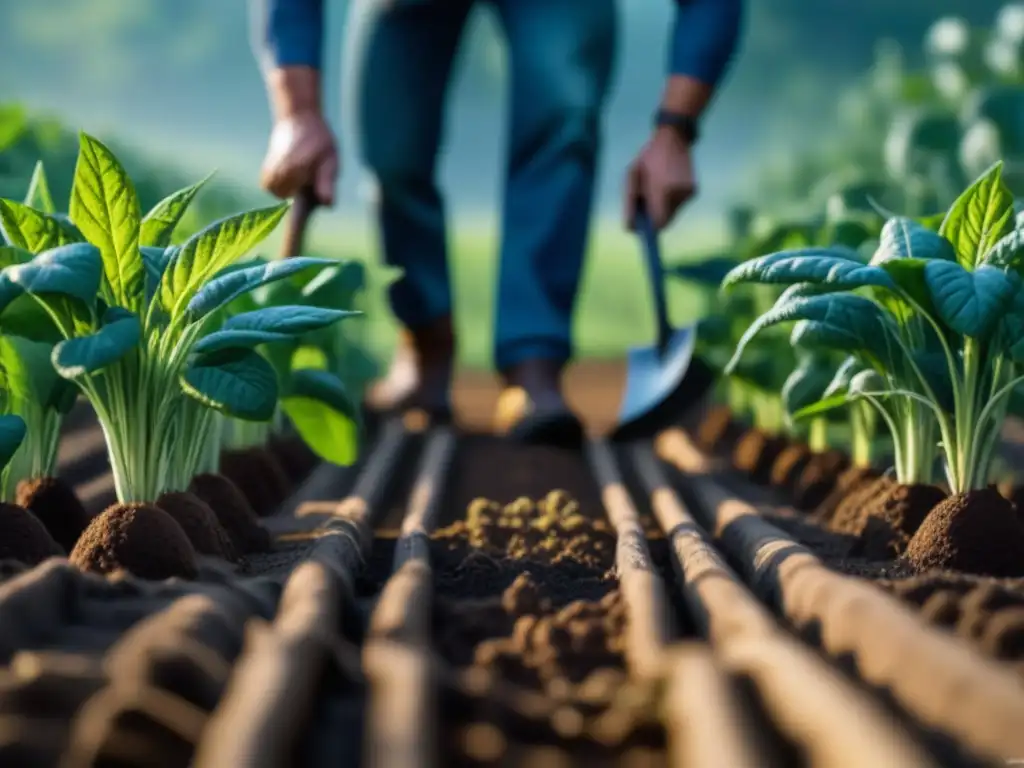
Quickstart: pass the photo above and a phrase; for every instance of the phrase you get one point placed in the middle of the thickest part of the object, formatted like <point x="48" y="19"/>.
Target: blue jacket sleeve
<point x="288" y="33"/>
<point x="705" y="37"/>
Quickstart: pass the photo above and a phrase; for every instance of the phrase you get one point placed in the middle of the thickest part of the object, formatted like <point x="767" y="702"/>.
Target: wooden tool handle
<point x="302" y="209"/>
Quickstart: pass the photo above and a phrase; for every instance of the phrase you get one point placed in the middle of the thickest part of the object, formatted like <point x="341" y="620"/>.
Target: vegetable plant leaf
<point x="155" y="261"/>
<point x="210" y="250"/>
<point x="12" y="433"/>
<point x="838" y="267"/>
<point x="293" y="320"/>
<point x="119" y="334"/>
<point x="157" y="227"/>
<point x="904" y="238"/>
<point x="236" y="382"/>
<point x="227" y="287"/>
<point x="70" y="270"/>
<point x="105" y="207"/>
<point x="969" y="302"/>
<point x="981" y="216"/>
<point x="805" y="385"/>
<point x="335" y="287"/>
<point x="324" y="415"/>
<point x="38" y="195"/>
<point x="34" y="230"/>
<point x="241" y="339"/>
<point x="1008" y="253"/>
<point x="822" y="407"/>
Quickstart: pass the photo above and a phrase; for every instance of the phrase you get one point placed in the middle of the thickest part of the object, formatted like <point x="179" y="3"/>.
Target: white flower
<point x="1001" y="56"/>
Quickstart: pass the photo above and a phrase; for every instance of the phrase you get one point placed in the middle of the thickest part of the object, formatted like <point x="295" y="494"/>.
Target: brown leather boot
<point x="532" y="409"/>
<point x="418" y="382"/>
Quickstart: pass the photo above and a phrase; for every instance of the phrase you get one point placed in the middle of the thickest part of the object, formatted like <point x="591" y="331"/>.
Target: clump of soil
<point x="851" y="508"/>
<point x="259" y="476"/>
<point x="1004" y="636"/>
<point x="23" y="537"/>
<point x="755" y="453"/>
<point x="976" y="532"/>
<point x="886" y="522"/>
<point x="139" y="538"/>
<point x="850" y="483"/>
<point x="818" y="478"/>
<point x="233" y="512"/>
<point x="199" y="523"/>
<point x="56" y="506"/>
<point x="789" y="465"/>
<point x="527" y="596"/>
<point x="718" y="431"/>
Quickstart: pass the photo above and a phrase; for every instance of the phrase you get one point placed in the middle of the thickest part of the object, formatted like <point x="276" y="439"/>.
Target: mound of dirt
<point x="851" y="483"/>
<point x="819" y="477"/>
<point x="139" y="538"/>
<point x="755" y="453"/>
<point x="23" y="537"/>
<point x="886" y="522"/>
<point x="57" y="506"/>
<point x="718" y="431"/>
<point x="977" y="532"/>
<point x="199" y="523"/>
<point x="233" y="512"/>
<point x="259" y="476"/>
<point x="789" y="465"/>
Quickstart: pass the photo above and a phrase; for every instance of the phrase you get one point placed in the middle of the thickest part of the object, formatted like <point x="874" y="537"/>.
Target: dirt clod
<point x="976" y="532"/>
<point x="717" y="431"/>
<point x="1003" y="638"/>
<point x="56" y="506"/>
<point x="789" y="465"/>
<point x="23" y="537"/>
<point x="755" y="453"/>
<point x="139" y="538"/>
<point x="233" y="512"/>
<point x="199" y="523"/>
<point x="258" y="475"/>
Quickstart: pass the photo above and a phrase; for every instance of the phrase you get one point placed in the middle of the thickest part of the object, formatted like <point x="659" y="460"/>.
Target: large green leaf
<point x="968" y="302"/>
<point x="837" y="267"/>
<point x="70" y="270"/>
<point x="291" y="320"/>
<point x="34" y="230"/>
<point x="105" y="207"/>
<point x="119" y="334"/>
<point x="843" y="375"/>
<point x="859" y="321"/>
<point x="227" y="287"/>
<point x="241" y="339"/>
<point x="1008" y="253"/>
<point x="236" y="382"/>
<point x="28" y="371"/>
<point x="158" y="225"/>
<point x="212" y="249"/>
<point x="980" y="217"/>
<point x="336" y="287"/>
<point x="38" y="195"/>
<point x="805" y="385"/>
<point x="904" y="238"/>
<point x="12" y="433"/>
<point x="325" y="416"/>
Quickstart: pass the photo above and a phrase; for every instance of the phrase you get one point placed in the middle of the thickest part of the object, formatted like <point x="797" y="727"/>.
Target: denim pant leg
<point x="400" y="72"/>
<point x="561" y="55"/>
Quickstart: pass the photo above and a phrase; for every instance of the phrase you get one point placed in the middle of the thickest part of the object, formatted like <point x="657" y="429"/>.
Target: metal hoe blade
<point x="656" y="376"/>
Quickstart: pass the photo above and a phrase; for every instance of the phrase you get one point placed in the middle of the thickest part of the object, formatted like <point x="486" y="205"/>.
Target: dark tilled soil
<point x="23" y="537"/>
<point x="755" y="454"/>
<point x="528" y="609"/>
<point x="258" y="475"/>
<point x="54" y="502"/>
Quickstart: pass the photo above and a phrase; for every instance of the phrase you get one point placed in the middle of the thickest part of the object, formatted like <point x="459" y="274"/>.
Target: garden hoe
<point x="302" y="209"/>
<point x="666" y="381"/>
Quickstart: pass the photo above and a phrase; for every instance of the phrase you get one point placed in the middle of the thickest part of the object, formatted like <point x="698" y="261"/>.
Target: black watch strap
<point x="684" y="125"/>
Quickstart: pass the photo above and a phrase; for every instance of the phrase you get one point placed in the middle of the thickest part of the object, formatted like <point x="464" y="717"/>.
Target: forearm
<point x="703" y="43"/>
<point x="288" y="41"/>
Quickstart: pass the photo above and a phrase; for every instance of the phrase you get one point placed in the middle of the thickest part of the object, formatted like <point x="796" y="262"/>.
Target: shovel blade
<point x="652" y="377"/>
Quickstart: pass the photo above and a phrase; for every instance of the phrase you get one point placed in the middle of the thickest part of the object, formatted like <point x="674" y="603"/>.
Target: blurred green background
<point x="811" y="99"/>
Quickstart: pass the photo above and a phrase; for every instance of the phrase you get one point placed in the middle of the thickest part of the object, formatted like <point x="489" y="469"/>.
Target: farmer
<point x="561" y="56"/>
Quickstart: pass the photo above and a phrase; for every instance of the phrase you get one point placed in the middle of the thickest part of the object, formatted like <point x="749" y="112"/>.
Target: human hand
<point x="661" y="178"/>
<point x="301" y="153"/>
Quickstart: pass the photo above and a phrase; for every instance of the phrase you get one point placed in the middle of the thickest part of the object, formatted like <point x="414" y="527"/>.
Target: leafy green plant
<point x="136" y="320"/>
<point x="939" y="333"/>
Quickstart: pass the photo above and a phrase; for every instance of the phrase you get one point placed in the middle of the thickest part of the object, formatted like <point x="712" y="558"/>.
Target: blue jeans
<point x="561" y="55"/>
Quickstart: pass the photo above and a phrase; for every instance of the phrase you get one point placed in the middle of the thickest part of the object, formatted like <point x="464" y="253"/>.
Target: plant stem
<point x="818" y="438"/>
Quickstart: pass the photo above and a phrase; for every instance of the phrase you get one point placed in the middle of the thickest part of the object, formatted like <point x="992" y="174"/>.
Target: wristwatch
<point x="684" y="125"/>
